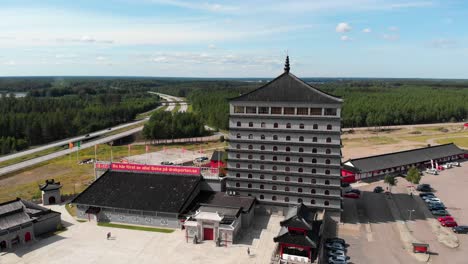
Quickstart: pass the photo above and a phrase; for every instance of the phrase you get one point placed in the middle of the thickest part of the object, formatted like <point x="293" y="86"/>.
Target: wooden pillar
<point x="281" y="251"/>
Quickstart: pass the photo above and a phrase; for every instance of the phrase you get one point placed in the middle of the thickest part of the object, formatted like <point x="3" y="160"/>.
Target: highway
<point x="170" y="98"/>
<point x="34" y="161"/>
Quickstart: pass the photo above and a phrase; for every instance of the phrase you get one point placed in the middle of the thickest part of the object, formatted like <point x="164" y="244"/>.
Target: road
<point x="406" y="126"/>
<point x="170" y="98"/>
<point x="34" y="161"/>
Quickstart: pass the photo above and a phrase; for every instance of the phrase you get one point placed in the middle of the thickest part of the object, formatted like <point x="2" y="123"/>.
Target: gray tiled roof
<point x="308" y="240"/>
<point x="50" y="185"/>
<point x="288" y="88"/>
<point x="140" y="191"/>
<point x="299" y="216"/>
<point x="18" y="211"/>
<point x="396" y="159"/>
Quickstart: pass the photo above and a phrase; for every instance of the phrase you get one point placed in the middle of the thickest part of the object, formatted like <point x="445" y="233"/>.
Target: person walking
<point x="248" y="251"/>
<point x="108" y="235"/>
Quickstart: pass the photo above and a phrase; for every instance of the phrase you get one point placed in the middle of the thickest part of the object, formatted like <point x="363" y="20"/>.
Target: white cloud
<point x="393" y="28"/>
<point x="367" y="30"/>
<point x="343" y="27"/>
<point x="391" y="37"/>
<point x="442" y="43"/>
<point x="345" y="38"/>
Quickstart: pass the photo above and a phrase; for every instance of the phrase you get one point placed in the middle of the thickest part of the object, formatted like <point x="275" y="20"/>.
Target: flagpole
<point x="95" y="160"/>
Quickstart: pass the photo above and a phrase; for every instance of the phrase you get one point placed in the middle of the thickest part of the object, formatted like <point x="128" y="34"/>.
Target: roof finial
<point x="286" y="65"/>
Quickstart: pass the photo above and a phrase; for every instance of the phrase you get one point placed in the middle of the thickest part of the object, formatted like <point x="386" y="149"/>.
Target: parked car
<point x="356" y="191"/>
<point x="445" y="218"/>
<point x="436" y="204"/>
<point x="336" y="253"/>
<point x="351" y="195"/>
<point x="460" y="229"/>
<point x="335" y="246"/>
<point x="435" y="207"/>
<point x="431" y="199"/>
<point x="201" y="159"/>
<point x="426" y="194"/>
<point x="345" y="184"/>
<point x="440" y="212"/>
<point x="167" y="163"/>
<point x="432" y="171"/>
<point x="335" y="240"/>
<point x="378" y="189"/>
<point x="449" y="223"/>
<point x="424" y="188"/>
<point x="338" y="260"/>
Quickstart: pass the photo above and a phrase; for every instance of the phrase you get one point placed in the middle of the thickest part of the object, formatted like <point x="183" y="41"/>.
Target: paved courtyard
<point x="87" y="243"/>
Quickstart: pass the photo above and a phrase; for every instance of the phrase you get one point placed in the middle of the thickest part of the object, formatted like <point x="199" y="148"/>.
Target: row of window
<point x="286" y="188"/>
<point x="275" y="137"/>
<point x="287" y="169"/>
<point x="288" y="149"/>
<point x="287" y="179"/>
<point x="275" y="158"/>
<point x="314" y="139"/>
<point x="288" y="125"/>
<point x="299" y="200"/>
<point x="265" y="110"/>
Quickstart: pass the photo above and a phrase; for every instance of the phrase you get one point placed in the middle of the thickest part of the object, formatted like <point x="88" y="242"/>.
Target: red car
<point x="351" y="195"/>
<point x="445" y="218"/>
<point x="449" y="223"/>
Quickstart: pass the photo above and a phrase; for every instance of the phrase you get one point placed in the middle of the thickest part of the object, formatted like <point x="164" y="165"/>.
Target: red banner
<point x="150" y="168"/>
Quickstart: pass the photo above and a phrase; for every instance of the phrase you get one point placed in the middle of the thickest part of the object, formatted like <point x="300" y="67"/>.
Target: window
<point x="262" y="157"/>
<point x="273" y="198"/>
<point x="312" y="201"/>
<point x="300" y="170"/>
<point x="326" y="203"/>
<point x="312" y="191"/>
<point x="238" y="175"/>
<point x="237" y="165"/>
<point x="316" y="111"/>
<point x="314" y="150"/>
<point x="275" y="125"/>
<point x="251" y="110"/>
<point x="300" y="160"/>
<point x="287" y="159"/>
<point x="286" y="189"/>
<point x="237" y="184"/>
<point x="249" y="176"/>
<point x="314" y="181"/>
<point x="327" y="172"/>
<point x="328" y="140"/>
<point x="262" y="147"/>
<point x="286" y="199"/>
<point x="315" y="126"/>
<point x="262" y="187"/>
<point x="301" y="138"/>
<point x="264" y="110"/>
<point x="299" y="180"/>
<point x="299" y="190"/>
<point x="330" y="112"/>
<point x="238" y="123"/>
<point x="286" y="178"/>
<point x="238" y="156"/>
<point x="314" y="160"/>
<point x="289" y="111"/>
<point x="276" y="111"/>
<point x="275" y="148"/>
<point x="239" y="109"/>
<point x="327" y="182"/>
<point x="301" y="126"/>
<point x="275" y="158"/>
<point x="301" y="150"/>
<point x="327" y="161"/>
<point x="329" y="127"/>
<point x="274" y="168"/>
<point x="249" y="186"/>
<point x="327" y="192"/>
<point x="273" y="187"/>
<point x="302" y="111"/>
<point x="250" y="136"/>
<point x="274" y="178"/>
<point x="288" y="138"/>
<point x="262" y="197"/>
<point x="314" y="171"/>
<point x="287" y="169"/>
<point x="249" y="166"/>
<point x="314" y="139"/>
<point x="250" y="147"/>
<point x="249" y="157"/>
<point x="288" y="125"/>
<point x="263" y="125"/>
<point x="275" y="137"/>
<point x="288" y="149"/>
<point x="238" y="135"/>
<point x="238" y="146"/>
<point x="262" y="176"/>
<point x="299" y="200"/>
<point x="328" y="151"/>
<point x="250" y="124"/>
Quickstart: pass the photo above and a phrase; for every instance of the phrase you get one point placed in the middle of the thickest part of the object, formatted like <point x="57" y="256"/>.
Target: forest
<point x="167" y="125"/>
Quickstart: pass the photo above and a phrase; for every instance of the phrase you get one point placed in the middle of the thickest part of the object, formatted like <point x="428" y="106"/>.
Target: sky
<point x="192" y="38"/>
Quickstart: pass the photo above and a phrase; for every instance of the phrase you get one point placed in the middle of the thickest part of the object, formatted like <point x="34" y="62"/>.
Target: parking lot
<point x="372" y="232"/>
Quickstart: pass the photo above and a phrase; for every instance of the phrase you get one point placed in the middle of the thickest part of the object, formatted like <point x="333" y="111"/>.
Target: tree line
<point x="167" y="125"/>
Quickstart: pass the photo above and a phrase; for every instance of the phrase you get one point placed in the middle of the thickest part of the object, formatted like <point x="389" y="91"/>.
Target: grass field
<point x="437" y="136"/>
<point x="31" y="156"/>
<point x="371" y="140"/>
<point x="141" y="228"/>
<point x="459" y="141"/>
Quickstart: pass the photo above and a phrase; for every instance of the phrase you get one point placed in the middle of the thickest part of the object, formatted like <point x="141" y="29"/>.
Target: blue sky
<point x="324" y="38"/>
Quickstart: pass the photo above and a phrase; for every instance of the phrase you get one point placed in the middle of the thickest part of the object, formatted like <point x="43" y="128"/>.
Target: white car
<point x="432" y="199"/>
